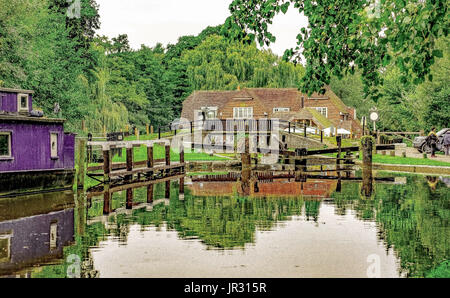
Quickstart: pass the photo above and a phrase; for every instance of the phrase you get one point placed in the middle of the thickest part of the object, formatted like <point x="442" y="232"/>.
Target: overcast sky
<point x="151" y="21"/>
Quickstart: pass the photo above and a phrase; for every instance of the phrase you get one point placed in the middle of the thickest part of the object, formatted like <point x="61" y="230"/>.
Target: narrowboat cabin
<point x="35" y="152"/>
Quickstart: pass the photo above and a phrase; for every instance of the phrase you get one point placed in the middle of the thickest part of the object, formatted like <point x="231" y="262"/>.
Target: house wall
<point x="30" y="147"/>
<point x="8" y="102"/>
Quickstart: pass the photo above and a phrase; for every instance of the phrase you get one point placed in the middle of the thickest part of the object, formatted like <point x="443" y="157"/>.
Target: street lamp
<point x="374" y="116"/>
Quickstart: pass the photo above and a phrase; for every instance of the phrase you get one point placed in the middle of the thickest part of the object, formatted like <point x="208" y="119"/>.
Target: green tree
<point x="344" y="35"/>
<point x="220" y="64"/>
<point x="103" y="111"/>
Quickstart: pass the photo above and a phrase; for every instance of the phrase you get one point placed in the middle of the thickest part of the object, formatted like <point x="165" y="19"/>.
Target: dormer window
<point x="281" y="110"/>
<point x="22" y="103"/>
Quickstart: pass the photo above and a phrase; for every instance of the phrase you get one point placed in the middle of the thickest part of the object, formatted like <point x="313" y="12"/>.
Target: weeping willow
<point x="220" y="64"/>
<point x="105" y="114"/>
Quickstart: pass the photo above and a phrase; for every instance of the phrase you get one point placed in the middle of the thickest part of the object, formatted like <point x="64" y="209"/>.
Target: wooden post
<point x="104" y="131"/>
<point x="81" y="211"/>
<point x="151" y="129"/>
<point x="147" y="128"/>
<point x="150" y="160"/>
<point x="136" y="132"/>
<point x="338" y="157"/>
<point x="159" y="133"/>
<point x="245" y="157"/>
<point x="129" y="163"/>
<point x="167" y="156"/>
<point x="81" y="145"/>
<point x="289" y="127"/>
<point x="367" y="175"/>
<point x="129" y="204"/>
<point x="106" y="164"/>
<point x="150" y="193"/>
<point x="167" y="194"/>
<point x="106" y="200"/>
<point x="300" y="165"/>
<point x="192" y="127"/>
<point x="182" y="157"/>
<point x="304" y="127"/>
<point x="348" y="163"/>
<point x="321" y="136"/>
<point x="182" y="186"/>
<point x="83" y="125"/>
<point x="89" y="149"/>
<point x="339" y="185"/>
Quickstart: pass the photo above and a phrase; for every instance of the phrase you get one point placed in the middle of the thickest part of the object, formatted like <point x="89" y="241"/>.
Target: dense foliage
<point x="105" y="82"/>
<point x="344" y="35"/>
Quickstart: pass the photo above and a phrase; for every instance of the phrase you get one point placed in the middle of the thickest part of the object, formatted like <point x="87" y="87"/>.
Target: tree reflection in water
<point x="412" y="218"/>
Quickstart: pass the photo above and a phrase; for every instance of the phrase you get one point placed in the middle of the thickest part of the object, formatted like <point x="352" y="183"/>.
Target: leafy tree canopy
<point x="343" y="35"/>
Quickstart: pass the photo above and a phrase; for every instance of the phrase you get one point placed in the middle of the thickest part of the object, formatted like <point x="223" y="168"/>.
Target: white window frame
<point x="321" y="109"/>
<point x="54" y="154"/>
<point x="208" y="110"/>
<point x="6" y="237"/>
<point x="53" y="236"/>
<point x="9" y="134"/>
<point x="281" y="110"/>
<point x="19" y="102"/>
<point x="243" y="112"/>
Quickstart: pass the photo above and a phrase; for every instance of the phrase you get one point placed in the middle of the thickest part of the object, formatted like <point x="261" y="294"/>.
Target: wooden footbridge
<point x="130" y="170"/>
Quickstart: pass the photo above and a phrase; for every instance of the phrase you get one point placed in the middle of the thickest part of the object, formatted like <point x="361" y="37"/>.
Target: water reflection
<point x="264" y="228"/>
<point x="34" y="229"/>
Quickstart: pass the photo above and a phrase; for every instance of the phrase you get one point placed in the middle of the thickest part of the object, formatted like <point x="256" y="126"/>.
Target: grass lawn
<point x="140" y="154"/>
<point x="332" y="140"/>
<point x="398" y="160"/>
<point x="387" y="159"/>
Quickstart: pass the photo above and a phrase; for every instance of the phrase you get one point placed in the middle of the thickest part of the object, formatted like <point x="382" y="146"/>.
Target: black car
<point x="420" y="142"/>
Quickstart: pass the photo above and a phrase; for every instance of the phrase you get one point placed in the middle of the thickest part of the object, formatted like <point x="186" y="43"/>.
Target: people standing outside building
<point x="446" y="142"/>
<point x="432" y="140"/>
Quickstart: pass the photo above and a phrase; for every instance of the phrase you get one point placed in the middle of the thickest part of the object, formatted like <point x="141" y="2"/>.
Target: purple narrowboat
<point x="35" y="152"/>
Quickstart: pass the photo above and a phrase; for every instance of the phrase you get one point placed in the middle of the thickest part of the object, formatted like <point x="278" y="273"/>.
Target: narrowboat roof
<point x="11" y="90"/>
<point x="30" y="119"/>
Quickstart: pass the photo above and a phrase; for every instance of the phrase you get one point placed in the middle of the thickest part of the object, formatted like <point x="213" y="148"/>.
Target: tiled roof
<point x="322" y="120"/>
<point x="277" y="98"/>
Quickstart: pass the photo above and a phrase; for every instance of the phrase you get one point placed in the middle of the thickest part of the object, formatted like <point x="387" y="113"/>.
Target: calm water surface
<point x="222" y="229"/>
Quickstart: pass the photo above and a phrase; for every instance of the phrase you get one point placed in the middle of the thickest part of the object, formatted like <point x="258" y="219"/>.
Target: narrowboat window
<point x="5" y="245"/>
<point x="54" y="145"/>
<point x="5" y="144"/>
<point x="53" y="235"/>
<point x="22" y="102"/>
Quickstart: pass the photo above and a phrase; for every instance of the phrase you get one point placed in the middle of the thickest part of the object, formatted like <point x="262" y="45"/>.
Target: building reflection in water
<point x="34" y="229"/>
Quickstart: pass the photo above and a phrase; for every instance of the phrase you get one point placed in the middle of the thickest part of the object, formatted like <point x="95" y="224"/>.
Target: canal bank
<point x="419" y="169"/>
